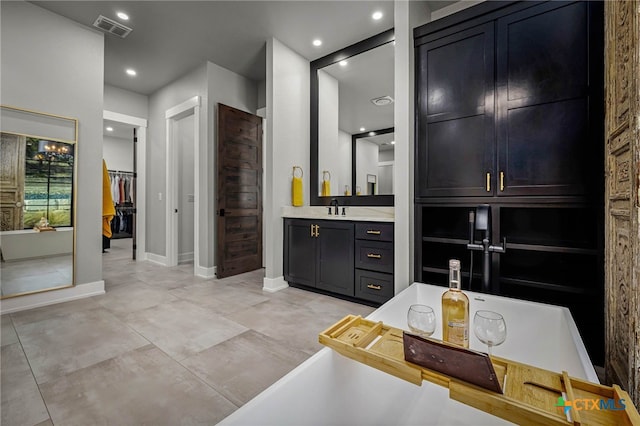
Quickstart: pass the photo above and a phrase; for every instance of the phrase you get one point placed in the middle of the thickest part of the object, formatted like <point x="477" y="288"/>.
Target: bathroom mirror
<point x="37" y="199"/>
<point x="375" y="154"/>
<point x="351" y="90"/>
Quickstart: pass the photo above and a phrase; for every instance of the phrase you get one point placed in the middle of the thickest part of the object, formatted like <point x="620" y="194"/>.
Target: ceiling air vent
<point x="112" y="27"/>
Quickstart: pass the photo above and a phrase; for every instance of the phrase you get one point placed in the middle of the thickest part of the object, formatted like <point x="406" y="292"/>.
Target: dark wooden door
<point x="12" y="169"/>
<point x="544" y="143"/>
<point x="455" y="114"/>
<point x="300" y="252"/>
<point x="239" y="195"/>
<point x="335" y="256"/>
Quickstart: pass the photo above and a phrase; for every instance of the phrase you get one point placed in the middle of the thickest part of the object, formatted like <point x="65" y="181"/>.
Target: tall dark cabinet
<point x="509" y="112"/>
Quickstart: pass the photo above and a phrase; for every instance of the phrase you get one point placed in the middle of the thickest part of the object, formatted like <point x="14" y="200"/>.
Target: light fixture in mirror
<point x="37" y="193"/>
<point x="344" y="99"/>
<point x="375" y="154"/>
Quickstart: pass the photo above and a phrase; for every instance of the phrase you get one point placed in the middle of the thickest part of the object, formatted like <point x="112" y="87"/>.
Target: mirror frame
<point x="71" y="123"/>
<point x="349" y="51"/>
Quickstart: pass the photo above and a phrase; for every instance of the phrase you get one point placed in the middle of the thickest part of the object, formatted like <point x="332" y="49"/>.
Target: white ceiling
<point x="170" y="38"/>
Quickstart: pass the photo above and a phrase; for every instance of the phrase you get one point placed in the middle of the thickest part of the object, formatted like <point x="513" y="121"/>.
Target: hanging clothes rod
<point x="121" y="172"/>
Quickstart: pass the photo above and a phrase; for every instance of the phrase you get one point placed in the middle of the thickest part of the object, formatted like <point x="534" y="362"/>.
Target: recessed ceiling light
<point x="362" y="129"/>
<point x="372" y="133"/>
<point x="132" y="72"/>
<point x="377" y="15"/>
<point x="123" y="16"/>
<point x="109" y="129"/>
<point x="343" y="63"/>
<point x="317" y="42"/>
<point x="393" y="142"/>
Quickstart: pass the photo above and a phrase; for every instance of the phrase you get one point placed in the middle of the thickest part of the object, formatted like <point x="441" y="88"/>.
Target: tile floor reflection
<point x="23" y="276"/>
<point x="162" y="347"/>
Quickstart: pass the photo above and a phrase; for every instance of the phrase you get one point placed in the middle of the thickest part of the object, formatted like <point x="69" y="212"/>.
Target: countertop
<point x="354" y="213"/>
<point x="329" y="388"/>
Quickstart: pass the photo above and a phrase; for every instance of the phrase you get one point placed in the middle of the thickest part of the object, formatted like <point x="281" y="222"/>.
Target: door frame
<point x="172" y="115"/>
<point x="141" y="173"/>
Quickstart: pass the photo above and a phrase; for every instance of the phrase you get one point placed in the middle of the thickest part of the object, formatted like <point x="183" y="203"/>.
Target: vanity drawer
<point x="374" y="255"/>
<point x="374" y="286"/>
<point x="375" y="231"/>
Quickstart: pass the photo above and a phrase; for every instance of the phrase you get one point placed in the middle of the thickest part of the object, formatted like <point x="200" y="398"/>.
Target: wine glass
<point x="490" y="328"/>
<point x="421" y="320"/>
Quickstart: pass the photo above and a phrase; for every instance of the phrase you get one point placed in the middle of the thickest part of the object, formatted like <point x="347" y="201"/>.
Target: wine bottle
<point x="455" y="309"/>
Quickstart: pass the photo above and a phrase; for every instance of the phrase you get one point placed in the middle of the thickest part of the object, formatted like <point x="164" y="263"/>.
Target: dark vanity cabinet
<point x="374" y="261"/>
<point x="509" y="113"/>
<point x="347" y="258"/>
<point x="319" y="253"/>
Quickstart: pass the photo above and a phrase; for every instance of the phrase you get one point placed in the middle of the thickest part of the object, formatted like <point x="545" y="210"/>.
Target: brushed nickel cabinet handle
<point x="373" y="232"/>
<point x="374" y="287"/>
<point x="374" y="256"/>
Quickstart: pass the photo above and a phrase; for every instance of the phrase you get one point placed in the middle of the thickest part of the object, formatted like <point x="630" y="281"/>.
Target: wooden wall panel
<point x="622" y="252"/>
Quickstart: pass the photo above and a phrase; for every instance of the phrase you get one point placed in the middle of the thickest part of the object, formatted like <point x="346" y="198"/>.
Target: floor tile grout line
<point x="26" y="357"/>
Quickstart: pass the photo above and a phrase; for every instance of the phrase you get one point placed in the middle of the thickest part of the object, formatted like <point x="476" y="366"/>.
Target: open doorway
<point x="124" y="146"/>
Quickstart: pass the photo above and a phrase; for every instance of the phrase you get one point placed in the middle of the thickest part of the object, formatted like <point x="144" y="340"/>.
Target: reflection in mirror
<point x="354" y="93"/>
<point x="37" y="175"/>
<point x="374" y="170"/>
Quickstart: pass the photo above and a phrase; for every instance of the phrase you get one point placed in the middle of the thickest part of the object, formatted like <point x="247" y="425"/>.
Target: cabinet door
<point x="455" y="114"/>
<point x="299" y="252"/>
<point x="545" y="146"/>
<point x="335" y="256"/>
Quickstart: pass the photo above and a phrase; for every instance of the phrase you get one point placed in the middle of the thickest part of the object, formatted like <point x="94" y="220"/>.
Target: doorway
<point x="183" y="184"/>
<point x="124" y="151"/>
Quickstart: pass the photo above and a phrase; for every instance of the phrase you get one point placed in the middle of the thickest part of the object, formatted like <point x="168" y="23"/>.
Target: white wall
<point x="125" y="102"/>
<point x="262" y="94"/>
<point x="51" y="64"/>
<point x="453" y="8"/>
<point x="287" y="145"/>
<point x="118" y="153"/>
<point x="342" y="160"/>
<point x="407" y="16"/>
<point x="190" y="85"/>
<point x="367" y="155"/>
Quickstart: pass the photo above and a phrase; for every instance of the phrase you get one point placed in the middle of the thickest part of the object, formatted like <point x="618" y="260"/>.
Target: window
<point x="48" y="183"/>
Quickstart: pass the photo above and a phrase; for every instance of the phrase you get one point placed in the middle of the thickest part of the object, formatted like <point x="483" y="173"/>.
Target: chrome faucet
<point x="334" y="202"/>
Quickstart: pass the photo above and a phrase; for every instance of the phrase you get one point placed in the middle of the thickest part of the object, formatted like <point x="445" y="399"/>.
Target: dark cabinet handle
<point x="374" y="256"/>
<point x="373" y="232"/>
<point x="374" y="287"/>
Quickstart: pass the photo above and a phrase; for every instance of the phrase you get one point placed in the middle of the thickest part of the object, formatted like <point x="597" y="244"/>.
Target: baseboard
<point x="156" y="258"/>
<point x="185" y="257"/>
<point x="205" y="272"/>
<point x="274" y="284"/>
<point x="36" y="300"/>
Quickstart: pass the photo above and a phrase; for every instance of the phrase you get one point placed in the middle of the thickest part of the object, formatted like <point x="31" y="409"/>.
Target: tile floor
<point x="162" y="347"/>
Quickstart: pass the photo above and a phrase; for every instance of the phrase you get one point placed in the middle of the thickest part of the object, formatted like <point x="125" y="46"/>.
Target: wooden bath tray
<point x="530" y="394"/>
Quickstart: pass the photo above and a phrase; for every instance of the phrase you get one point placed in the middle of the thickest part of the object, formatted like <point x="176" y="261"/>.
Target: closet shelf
<point x="547" y="286"/>
<point x="552" y="249"/>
